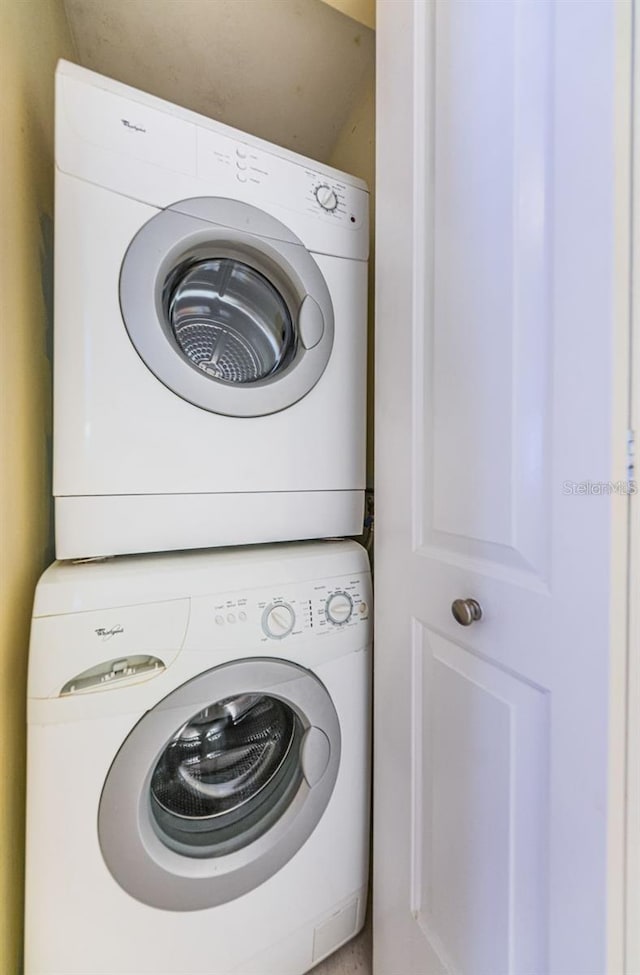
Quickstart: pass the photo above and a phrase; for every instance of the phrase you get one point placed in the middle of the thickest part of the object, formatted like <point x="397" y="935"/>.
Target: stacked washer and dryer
<point x="198" y="759"/>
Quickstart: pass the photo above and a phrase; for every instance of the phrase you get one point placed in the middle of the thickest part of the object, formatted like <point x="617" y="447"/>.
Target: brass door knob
<point x="466" y="611"/>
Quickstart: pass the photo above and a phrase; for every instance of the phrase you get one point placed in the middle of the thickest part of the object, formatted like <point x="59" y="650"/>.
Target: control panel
<point x="157" y="154"/>
<point x="289" y="184"/>
<point x="274" y="617"/>
<point x="326" y="608"/>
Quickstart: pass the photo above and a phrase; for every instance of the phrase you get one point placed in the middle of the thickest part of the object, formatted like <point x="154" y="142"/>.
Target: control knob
<point x="326" y="197"/>
<point x="278" y="620"/>
<point x="339" y="608"/>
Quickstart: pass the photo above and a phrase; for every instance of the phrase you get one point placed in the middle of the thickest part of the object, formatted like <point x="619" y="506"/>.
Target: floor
<point x="353" y="959"/>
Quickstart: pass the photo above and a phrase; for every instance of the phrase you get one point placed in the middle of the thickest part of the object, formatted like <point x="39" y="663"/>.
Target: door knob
<point x="466" y="611"/>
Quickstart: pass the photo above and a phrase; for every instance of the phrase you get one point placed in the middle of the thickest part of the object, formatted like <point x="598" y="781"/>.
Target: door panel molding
<point x="480" y="740"/>
<point x="492" y="345"/>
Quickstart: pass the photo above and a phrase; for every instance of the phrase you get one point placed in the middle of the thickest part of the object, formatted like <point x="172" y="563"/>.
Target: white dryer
<point x="210" y="331"/>
<point x="198" y="762"/>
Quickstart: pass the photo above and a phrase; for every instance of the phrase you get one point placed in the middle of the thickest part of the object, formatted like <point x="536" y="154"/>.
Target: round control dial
<point x="326" y="197"/>
<point x="278" y="620"/>
<point x="339" y="608"/>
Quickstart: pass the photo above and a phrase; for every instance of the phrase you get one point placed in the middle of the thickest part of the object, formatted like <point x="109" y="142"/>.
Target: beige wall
<point x="363" y="11"/>
<point x="33" y="35"/>
<point x="354" y="152"/>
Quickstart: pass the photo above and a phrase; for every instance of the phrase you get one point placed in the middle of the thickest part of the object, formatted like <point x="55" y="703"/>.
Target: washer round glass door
<point x="226" y="307"/>
<point x="227" y="775"/>
<point x="218" y="786"/>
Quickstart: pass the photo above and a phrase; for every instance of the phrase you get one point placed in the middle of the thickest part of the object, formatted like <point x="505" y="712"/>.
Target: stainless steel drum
<point x="226" y="775"/>
<point x="229" y="320"/>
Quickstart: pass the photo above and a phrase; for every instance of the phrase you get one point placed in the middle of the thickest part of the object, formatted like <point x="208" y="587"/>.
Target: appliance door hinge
<point x="631" y="457"/>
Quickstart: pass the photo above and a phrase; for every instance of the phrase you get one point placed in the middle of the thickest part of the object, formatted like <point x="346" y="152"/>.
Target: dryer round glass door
<point x="219" y="785"/>
<point x="226" y="307"/>
<point x="229" y="321"/>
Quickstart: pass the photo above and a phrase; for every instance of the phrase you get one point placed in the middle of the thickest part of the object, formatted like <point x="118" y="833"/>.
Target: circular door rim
<point x="134" y="853"/>
<point x="188" y="231"/>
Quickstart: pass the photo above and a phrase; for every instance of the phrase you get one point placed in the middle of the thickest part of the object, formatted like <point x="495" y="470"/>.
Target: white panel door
<point x="502" y="413"/>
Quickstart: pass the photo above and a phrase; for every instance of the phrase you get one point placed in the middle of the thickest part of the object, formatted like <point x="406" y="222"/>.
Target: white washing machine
<point x="198" y="762"/>
<point x="210" y="331"/>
